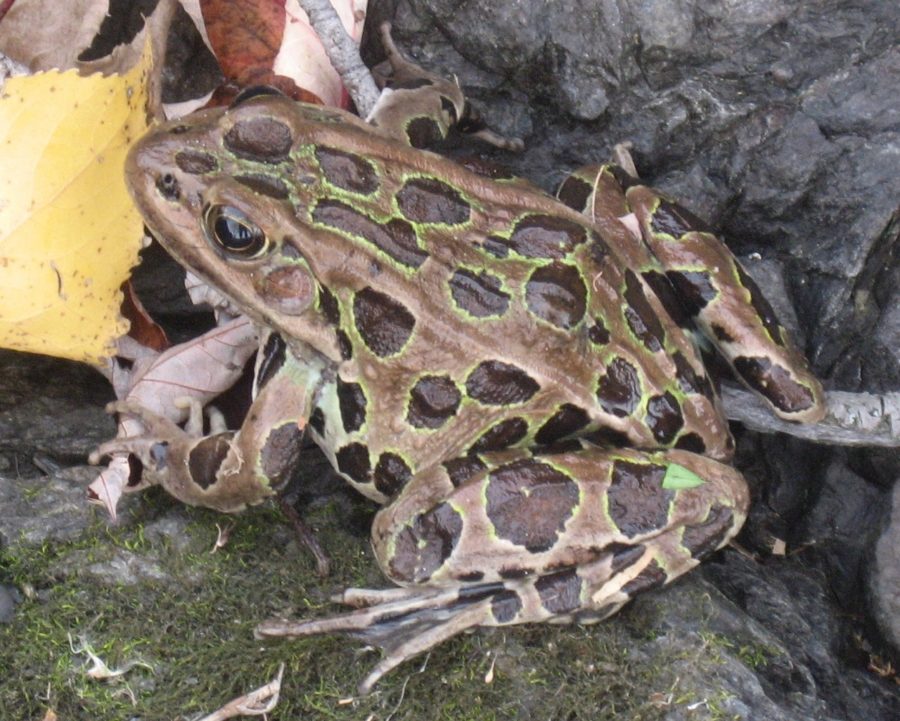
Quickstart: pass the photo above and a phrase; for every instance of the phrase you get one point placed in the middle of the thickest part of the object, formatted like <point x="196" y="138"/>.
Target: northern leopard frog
<point x="508" y="373"/>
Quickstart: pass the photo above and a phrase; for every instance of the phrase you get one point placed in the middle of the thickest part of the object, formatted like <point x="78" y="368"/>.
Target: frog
<point x="515" y="377"/>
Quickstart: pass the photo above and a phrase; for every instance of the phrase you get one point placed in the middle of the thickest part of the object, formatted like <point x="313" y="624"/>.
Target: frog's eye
<point x="232" y="231"/>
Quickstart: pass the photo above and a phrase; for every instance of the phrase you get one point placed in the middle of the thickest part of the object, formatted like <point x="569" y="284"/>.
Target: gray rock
<point x="110" y="567"/>
<point x="10" y="597"/>
<point x="52" y="409"/>
<point x="48" y="508"/>
<point x="884" y="576"/>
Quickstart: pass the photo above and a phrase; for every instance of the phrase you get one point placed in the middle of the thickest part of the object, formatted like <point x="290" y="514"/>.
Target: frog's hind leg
<point x="556" y="538"/>
<point x="698" y="279"/>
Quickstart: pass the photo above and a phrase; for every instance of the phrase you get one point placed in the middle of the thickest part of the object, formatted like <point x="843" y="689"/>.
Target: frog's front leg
<point x="419" y="108"/>
<point x="226" y="470"/>
<point x="556" y="537"/>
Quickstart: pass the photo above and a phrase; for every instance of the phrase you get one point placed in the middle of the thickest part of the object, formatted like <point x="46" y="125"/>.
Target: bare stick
<point x="343" y="52"/>
<point x="853" y="419"/>
<point x="307" y="537"/>
<point x="256" y="703"/>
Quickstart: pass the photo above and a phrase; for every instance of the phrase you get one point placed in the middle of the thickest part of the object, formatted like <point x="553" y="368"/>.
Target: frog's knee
<point x="417" y="551"/>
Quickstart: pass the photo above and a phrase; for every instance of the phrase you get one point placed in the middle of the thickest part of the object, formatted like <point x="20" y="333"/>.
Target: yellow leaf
<point x="69" y="233"/>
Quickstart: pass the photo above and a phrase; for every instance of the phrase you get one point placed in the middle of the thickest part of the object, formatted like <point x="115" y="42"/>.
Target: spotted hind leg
<point x="699" y="281"/>
<point x="558" y="537"/>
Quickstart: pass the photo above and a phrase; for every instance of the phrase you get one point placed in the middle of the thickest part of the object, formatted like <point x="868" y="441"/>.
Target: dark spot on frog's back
<point x="260" y="138"/>
<point x="663" y="290"/>
<point x="432" y="401"/>
<point x="639" y="314"/>
<point x="566" y="421"/>
<point x="272" y="358"/>
<point x="206" y="457"/>
<point x="383" y="323"/>
<point x="501" y="435"/>
<point x="422" y="132"/>
<point x="391" y="474"/>
<point x="546" y="236"/>
<point x="598" y="333"/>
<point x="664" y="417"/>
<point x="280" y="455"/>
<point x="638" y="503"/>
<point x="619" y="390"/>
<point x="427" y="200"/>
<point x="496" y="383"/>
<point x="672" y="219"/>
<point x="691" y="442"/>
<point x="688" y="379"/>
<point x="775" y="383"/>
<point x="462" y="469"/>
<point x="479" y="294"/>
<point x="317" y="421"/>
<point x="329" y="306"/>
<point x="624" y="555"/>
<point x="353" y="460"/>
<point x="704" y="538"/>
<point x="352" y="402"/>
<point x="559" y="592"/>
<point x="196" y="162"/>
<point x="485" y="168"/>
<point x="397" y="237"/>
<point x="347" y="170"/>
<point x="529" y="502"/>
<point x="761" y="305"/>
<point x="505" y="606"/>
<point x="421" y="548"/>
<point x="574" y="192"/>
<point x="652" y="576"/>
<point x="556" y="293"/>
<point x="264" y="185"/>
<point x="721" y="333"/>
<point x="694" y="289"/>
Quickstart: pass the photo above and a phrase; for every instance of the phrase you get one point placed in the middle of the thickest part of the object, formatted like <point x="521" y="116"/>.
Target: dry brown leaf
<point x="271" y="42"/>
<point x="50" y="35"/>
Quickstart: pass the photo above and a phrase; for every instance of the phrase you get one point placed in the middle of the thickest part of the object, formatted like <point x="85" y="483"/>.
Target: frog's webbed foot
<point x="404" y="622"/>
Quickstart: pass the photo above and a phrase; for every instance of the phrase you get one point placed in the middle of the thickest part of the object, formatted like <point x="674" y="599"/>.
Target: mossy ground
<point x="195" y="632"/>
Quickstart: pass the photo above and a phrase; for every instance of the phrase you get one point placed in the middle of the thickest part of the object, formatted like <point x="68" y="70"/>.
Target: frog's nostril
<point x="168" y="186"/>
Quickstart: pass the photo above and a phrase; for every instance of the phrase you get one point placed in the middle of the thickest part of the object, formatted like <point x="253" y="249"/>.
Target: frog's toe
<point x="142" y="447"/>
<point x="154" y="424"/>
<point x="403" y="622"/>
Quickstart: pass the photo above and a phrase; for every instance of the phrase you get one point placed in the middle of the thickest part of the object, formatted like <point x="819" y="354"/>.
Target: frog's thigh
<point x="560" y="536"/>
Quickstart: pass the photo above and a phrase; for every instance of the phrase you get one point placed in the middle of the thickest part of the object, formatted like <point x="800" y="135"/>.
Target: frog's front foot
<point x="200" y="470"/>
<point x="404" y="622"/>
<point x="157" y="441"/>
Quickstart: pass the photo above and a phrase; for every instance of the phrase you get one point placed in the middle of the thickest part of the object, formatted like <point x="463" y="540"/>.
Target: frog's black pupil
<point x="233" y="234"/>
<point x="234" y="231"/>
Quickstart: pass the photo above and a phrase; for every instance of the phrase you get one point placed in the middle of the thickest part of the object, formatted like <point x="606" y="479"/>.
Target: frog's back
<point x="478" y="313"/>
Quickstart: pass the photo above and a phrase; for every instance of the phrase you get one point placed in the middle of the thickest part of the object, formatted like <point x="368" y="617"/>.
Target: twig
<point x="307" y="537"/>
<point x="256" y="703"/>
<point x="343" y="52"/>
<point x="854" y="419"/>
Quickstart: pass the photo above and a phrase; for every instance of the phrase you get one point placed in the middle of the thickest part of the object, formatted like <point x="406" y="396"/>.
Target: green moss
<point x="196" y="633"/>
